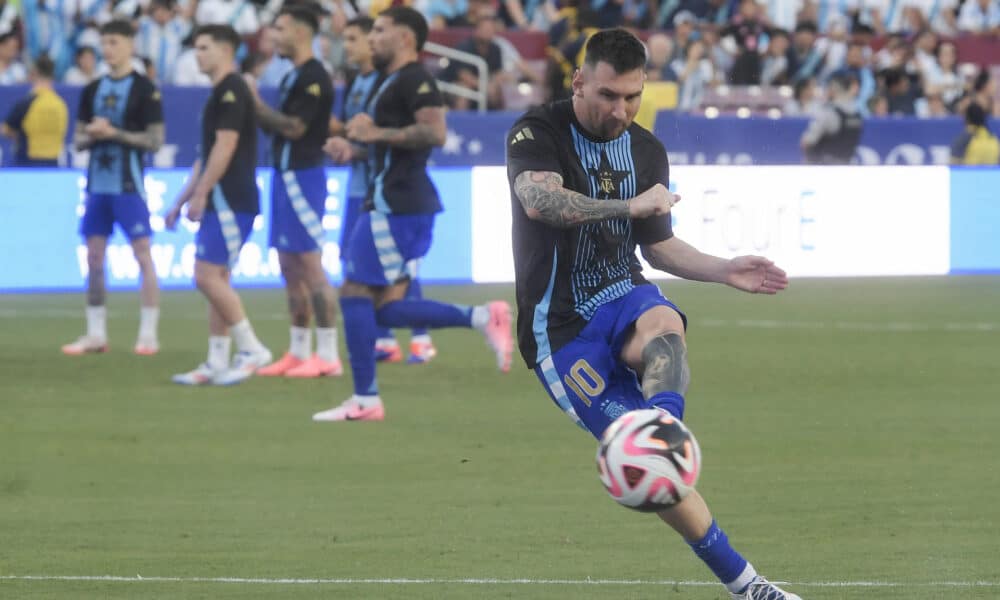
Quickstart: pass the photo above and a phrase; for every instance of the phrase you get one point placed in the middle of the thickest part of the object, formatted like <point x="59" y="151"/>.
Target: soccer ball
<point x="648" y="460"/>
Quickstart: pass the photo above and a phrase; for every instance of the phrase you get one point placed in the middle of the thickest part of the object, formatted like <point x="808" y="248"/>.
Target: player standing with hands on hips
<point x="587" y="186"/>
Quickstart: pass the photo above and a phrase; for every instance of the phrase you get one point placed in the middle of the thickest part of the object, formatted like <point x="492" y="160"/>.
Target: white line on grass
<point x="484" y="581"/>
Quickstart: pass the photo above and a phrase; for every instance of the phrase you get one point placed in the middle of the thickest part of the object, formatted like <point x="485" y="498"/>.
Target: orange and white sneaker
<point x="281" y="366"/>
<point x="498" y="333"/>
<point x="85" y="344"/>
<point x="146" y="346"/>
<point x="353" y="410"/>
<point x="316" y="367"/>
<point x="388" y="351"/>
<point x="421" y="352"/>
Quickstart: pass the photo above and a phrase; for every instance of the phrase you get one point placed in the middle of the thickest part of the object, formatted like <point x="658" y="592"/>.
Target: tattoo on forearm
<point x="81" y="141"/>
<point x="149" y="140"/>
<point x="277" y="122"/>
<point x="418" y="135"/>
<point x="544" y="198"/>
<point x="666" y="367"/>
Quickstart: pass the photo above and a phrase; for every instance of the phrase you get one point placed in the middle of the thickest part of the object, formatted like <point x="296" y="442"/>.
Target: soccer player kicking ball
<point x="588" y="185"/>
<point x="221" y="193"/>
<point x="119" y="120"/>
<point x="298" y="197"/>
<point x="406" y="121"/>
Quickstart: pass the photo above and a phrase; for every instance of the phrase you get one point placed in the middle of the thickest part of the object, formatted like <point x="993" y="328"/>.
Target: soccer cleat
<point x="146" y="346"/>
<point x="201" y="375"/>
<point x="421" y="352"/>
<point x="316" y="367"/>
<point x="388" y="352"/>
<point x="762" y="589"/>
<point x="244" y="365"/>
<point x="281" y="366"/>
<point x="498" y="333"/>
<point x="351" y="410"/>
<point x="84" y="345"/>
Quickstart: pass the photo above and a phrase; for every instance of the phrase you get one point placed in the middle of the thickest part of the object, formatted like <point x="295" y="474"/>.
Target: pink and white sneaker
<point x="352" y="410"/>
<point x="316" y="367"/>
<point x="421" y="352"/>
<point x="498" y="333"/>
<point x="281" y="366"/>
<point x="388" y="351"/>
<point x="85" y="344"/>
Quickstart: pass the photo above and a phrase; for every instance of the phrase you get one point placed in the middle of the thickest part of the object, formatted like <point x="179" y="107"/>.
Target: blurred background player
<point x="977" y="145"/>
<point x="221" y="193"/>
<point x="38" y="123"/>
<point x="298" y="192"/>
<point x="119" y="120"/>
<point x="588" y="185"/>
<point x="833" y="135"/>
<point x="358" y="54"/>
<point x="407" y="120"/>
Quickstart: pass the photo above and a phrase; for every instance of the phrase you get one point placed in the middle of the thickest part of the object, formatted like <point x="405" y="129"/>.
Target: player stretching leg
<point x="407" y="121"/>
<point x="358" y="54"/>
<point x="588" y="185"/>
<point x="298" y="198"/>
<point x="221" y="193"/>
<point x="119" y="120"/>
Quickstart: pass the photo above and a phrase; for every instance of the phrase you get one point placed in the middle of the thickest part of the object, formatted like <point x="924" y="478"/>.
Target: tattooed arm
<point x="149" y="140"/>
<point x="545" y="199"/>
<point x="428" y="131"/>
<point x="288" y="127"/>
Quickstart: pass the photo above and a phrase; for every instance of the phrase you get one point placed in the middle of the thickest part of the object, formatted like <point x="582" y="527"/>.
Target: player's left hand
<point x="99" y="129"/>
<point x="756" y="274"/>
<point x="361" y="128"/>
<point x="196" y="206"/>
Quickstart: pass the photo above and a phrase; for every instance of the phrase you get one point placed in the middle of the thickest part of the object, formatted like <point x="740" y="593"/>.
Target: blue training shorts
<point x="221" y="235"/>
<point x="587" y="377"/>
<point x="298" y="203"/>
<point x="102" y="211"/>
<point x="352" y="211"/>
<point x="382" y="249"/>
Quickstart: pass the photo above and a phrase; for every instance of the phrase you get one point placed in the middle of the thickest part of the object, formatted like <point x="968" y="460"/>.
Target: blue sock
<point x="672" y="402"/>
<point x="415" y="292"/>
<point x="726" y="563"/>
<point x="360" y="331"/>
<point x="423" y="313"/>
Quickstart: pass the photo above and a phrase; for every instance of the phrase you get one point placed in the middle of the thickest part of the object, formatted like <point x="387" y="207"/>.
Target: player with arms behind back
<point x="221" y="193"/>
<point x="120" y="119"/>
<point x="588" y="185"/>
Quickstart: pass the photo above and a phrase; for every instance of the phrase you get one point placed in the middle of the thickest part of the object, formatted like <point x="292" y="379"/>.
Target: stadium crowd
<point x="777" y="54"/>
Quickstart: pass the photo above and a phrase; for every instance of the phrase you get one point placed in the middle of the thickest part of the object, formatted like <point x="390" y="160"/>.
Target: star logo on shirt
<point x="105" y="161"/>
<point x="608" y="179"/>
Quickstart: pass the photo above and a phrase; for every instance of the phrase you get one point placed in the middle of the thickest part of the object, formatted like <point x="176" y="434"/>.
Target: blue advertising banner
<point x="975" y="220"/>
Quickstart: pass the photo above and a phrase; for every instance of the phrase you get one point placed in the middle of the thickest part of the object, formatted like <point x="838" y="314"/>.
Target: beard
<point x="381" y="62"/>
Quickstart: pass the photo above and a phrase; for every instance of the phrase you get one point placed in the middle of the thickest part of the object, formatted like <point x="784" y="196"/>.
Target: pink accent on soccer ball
<point x="660" y="484"/>
<point x="615" y="489"/>
<point x="632" y="450"/>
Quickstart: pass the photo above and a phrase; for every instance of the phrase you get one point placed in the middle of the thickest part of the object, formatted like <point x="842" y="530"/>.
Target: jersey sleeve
<point x="421" y="91"/>
<point x="309" y="96"/>
<point x="232" y="105"/>
<point x="532" y="146"/>
<point x="152" y="106"/>
<point x="85" y="113"/>
<point x="657" y="170"/>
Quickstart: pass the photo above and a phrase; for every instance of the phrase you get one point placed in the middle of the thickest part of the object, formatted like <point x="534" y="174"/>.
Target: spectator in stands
<point x="46" y="32"/>
<point x="980" y="16"/>
<point x="186" y="70"/>
<point x="446" y="13"/>
<point x="240" y="14"/>
<point x="834" y="48"/>
<point x="941" y="16"/>
<point x="932" y="106"/>
<point x="774" y="69"/>
<point x="977" y="145"/>
<point x="806" y="100"/>
<point x="982" y="92"/>
<point x="530" y="14"/>
<point x="12" y="72"/>
<point x="856" y="63"/>
<point x="743" y="38"/>
<point x="660" y="51"/>
<point x="684" y="31"/>
<point x="84" y="69"/>
<point x="10" y="21"/>
<point x="782" y="14"/>
<point x="807" y="55"/>
<point x="160" y="36"/>
<point x="924" y="52"/>
<point x="482" y="44"/>
<point x="39" y="122"/>
<point x="275" y="67"/>
<point x="878" y="106"/>
<point x="893" y="54"/>
<point x="832" y="137"/>
<point x="900" y="93"/>
<point x="722" y="59"/>
<point x="695" y="72"/>
<point x="942" y="77"/>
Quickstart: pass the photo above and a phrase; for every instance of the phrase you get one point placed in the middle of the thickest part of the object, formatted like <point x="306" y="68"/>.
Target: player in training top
<point x="120" y="119"/>
<point x="298" y="196"/>
<point x="588" y="185"/>
<point x="405" y="120"/>
<point x="221" y="193"/>
<point x="360" y="87"/>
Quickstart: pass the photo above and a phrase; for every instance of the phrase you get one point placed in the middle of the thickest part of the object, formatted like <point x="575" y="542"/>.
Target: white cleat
<point x="201" y="375"/>
<point x="146" y="346"/>
<point x="244" y="365"/>
<point x="85" y="344"/>
<point x="762" y="589"/>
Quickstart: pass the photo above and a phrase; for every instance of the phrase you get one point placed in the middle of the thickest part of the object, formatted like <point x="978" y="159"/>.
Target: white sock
<point x="736" y="586"/>
<point x="480" y="317"/>
<point x="423" y="338"/>
<point x="243" y="335"/>
<point x="218" y="352"/>
<point x="367" y="401"/>
<point x="149" y="317"/>
<point x="326" y="343"/>
<point x="97" y="322"/>
<point x="301" y="342"/>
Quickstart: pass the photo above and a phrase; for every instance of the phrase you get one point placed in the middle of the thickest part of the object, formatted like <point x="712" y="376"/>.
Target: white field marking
<point x="484" y="581"/>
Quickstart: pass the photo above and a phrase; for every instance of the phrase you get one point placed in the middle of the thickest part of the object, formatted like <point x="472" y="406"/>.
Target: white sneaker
<point x="146" y="346"/>
<point x="244" y="365"/>
<point x="84" y="345"/>
<point x="351" y="410"/>
<point x="762" y="589"/>
<point x="201" y="375"/>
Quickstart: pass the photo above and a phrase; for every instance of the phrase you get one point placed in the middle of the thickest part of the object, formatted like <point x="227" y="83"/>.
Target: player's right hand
<point x="655" y="201"/>
<point x="172" y="217"/>
<point x="339" y="149"/>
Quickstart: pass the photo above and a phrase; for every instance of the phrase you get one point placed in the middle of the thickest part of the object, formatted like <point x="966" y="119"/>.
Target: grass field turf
<point x="847" y="428"/>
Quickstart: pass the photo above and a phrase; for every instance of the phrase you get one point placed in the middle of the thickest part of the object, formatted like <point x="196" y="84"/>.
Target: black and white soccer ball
<point x="648" y="460"/>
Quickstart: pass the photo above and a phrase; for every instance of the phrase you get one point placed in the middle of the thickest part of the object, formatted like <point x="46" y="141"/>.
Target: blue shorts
<point x="298" y="203"/>
<point x="102" y="211"/>
<point x="587" y="377"/>
<point x="221" y="235"/>
<point x="352" y="211"/>
<point x="383" y="249"/>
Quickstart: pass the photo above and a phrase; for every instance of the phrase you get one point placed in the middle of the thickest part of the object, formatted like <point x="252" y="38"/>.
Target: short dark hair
<point x="843" y="79"/>
<point x="363" y="23"/>
<point x="7" y="36"/>
<point x="83" y="50"/>
<point x="118" y="27"/>
<point x="808" y="26"/>
<point x="302" y="13"/>
<point x="44" y="66"/>
<point x="220" y="33"/>
<point x="975" y="115"/>
<point x="411" y="19"/>
<point x="617" y="47"/>
<point x="164" y="4"/>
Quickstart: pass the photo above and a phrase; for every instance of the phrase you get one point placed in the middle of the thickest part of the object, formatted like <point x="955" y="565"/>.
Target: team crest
<point x="607" y="178"/>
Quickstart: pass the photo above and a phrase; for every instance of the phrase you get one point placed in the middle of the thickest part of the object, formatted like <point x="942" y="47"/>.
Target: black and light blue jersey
<point x="307" y="93"/>
<point x="131" y="103"/>
<point x="359" y="90"/>
<point x="564" y="275"/>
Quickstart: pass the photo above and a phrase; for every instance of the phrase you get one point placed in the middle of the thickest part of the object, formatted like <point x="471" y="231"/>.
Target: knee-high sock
<point x="360" y="331"/>
<point x="416" y="292"/>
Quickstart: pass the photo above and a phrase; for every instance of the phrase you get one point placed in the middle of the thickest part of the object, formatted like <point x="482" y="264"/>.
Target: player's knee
<point x="204" y="279"/>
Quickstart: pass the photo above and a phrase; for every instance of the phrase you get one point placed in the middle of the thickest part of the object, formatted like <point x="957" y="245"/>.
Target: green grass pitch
<point x="848" y="430"/>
